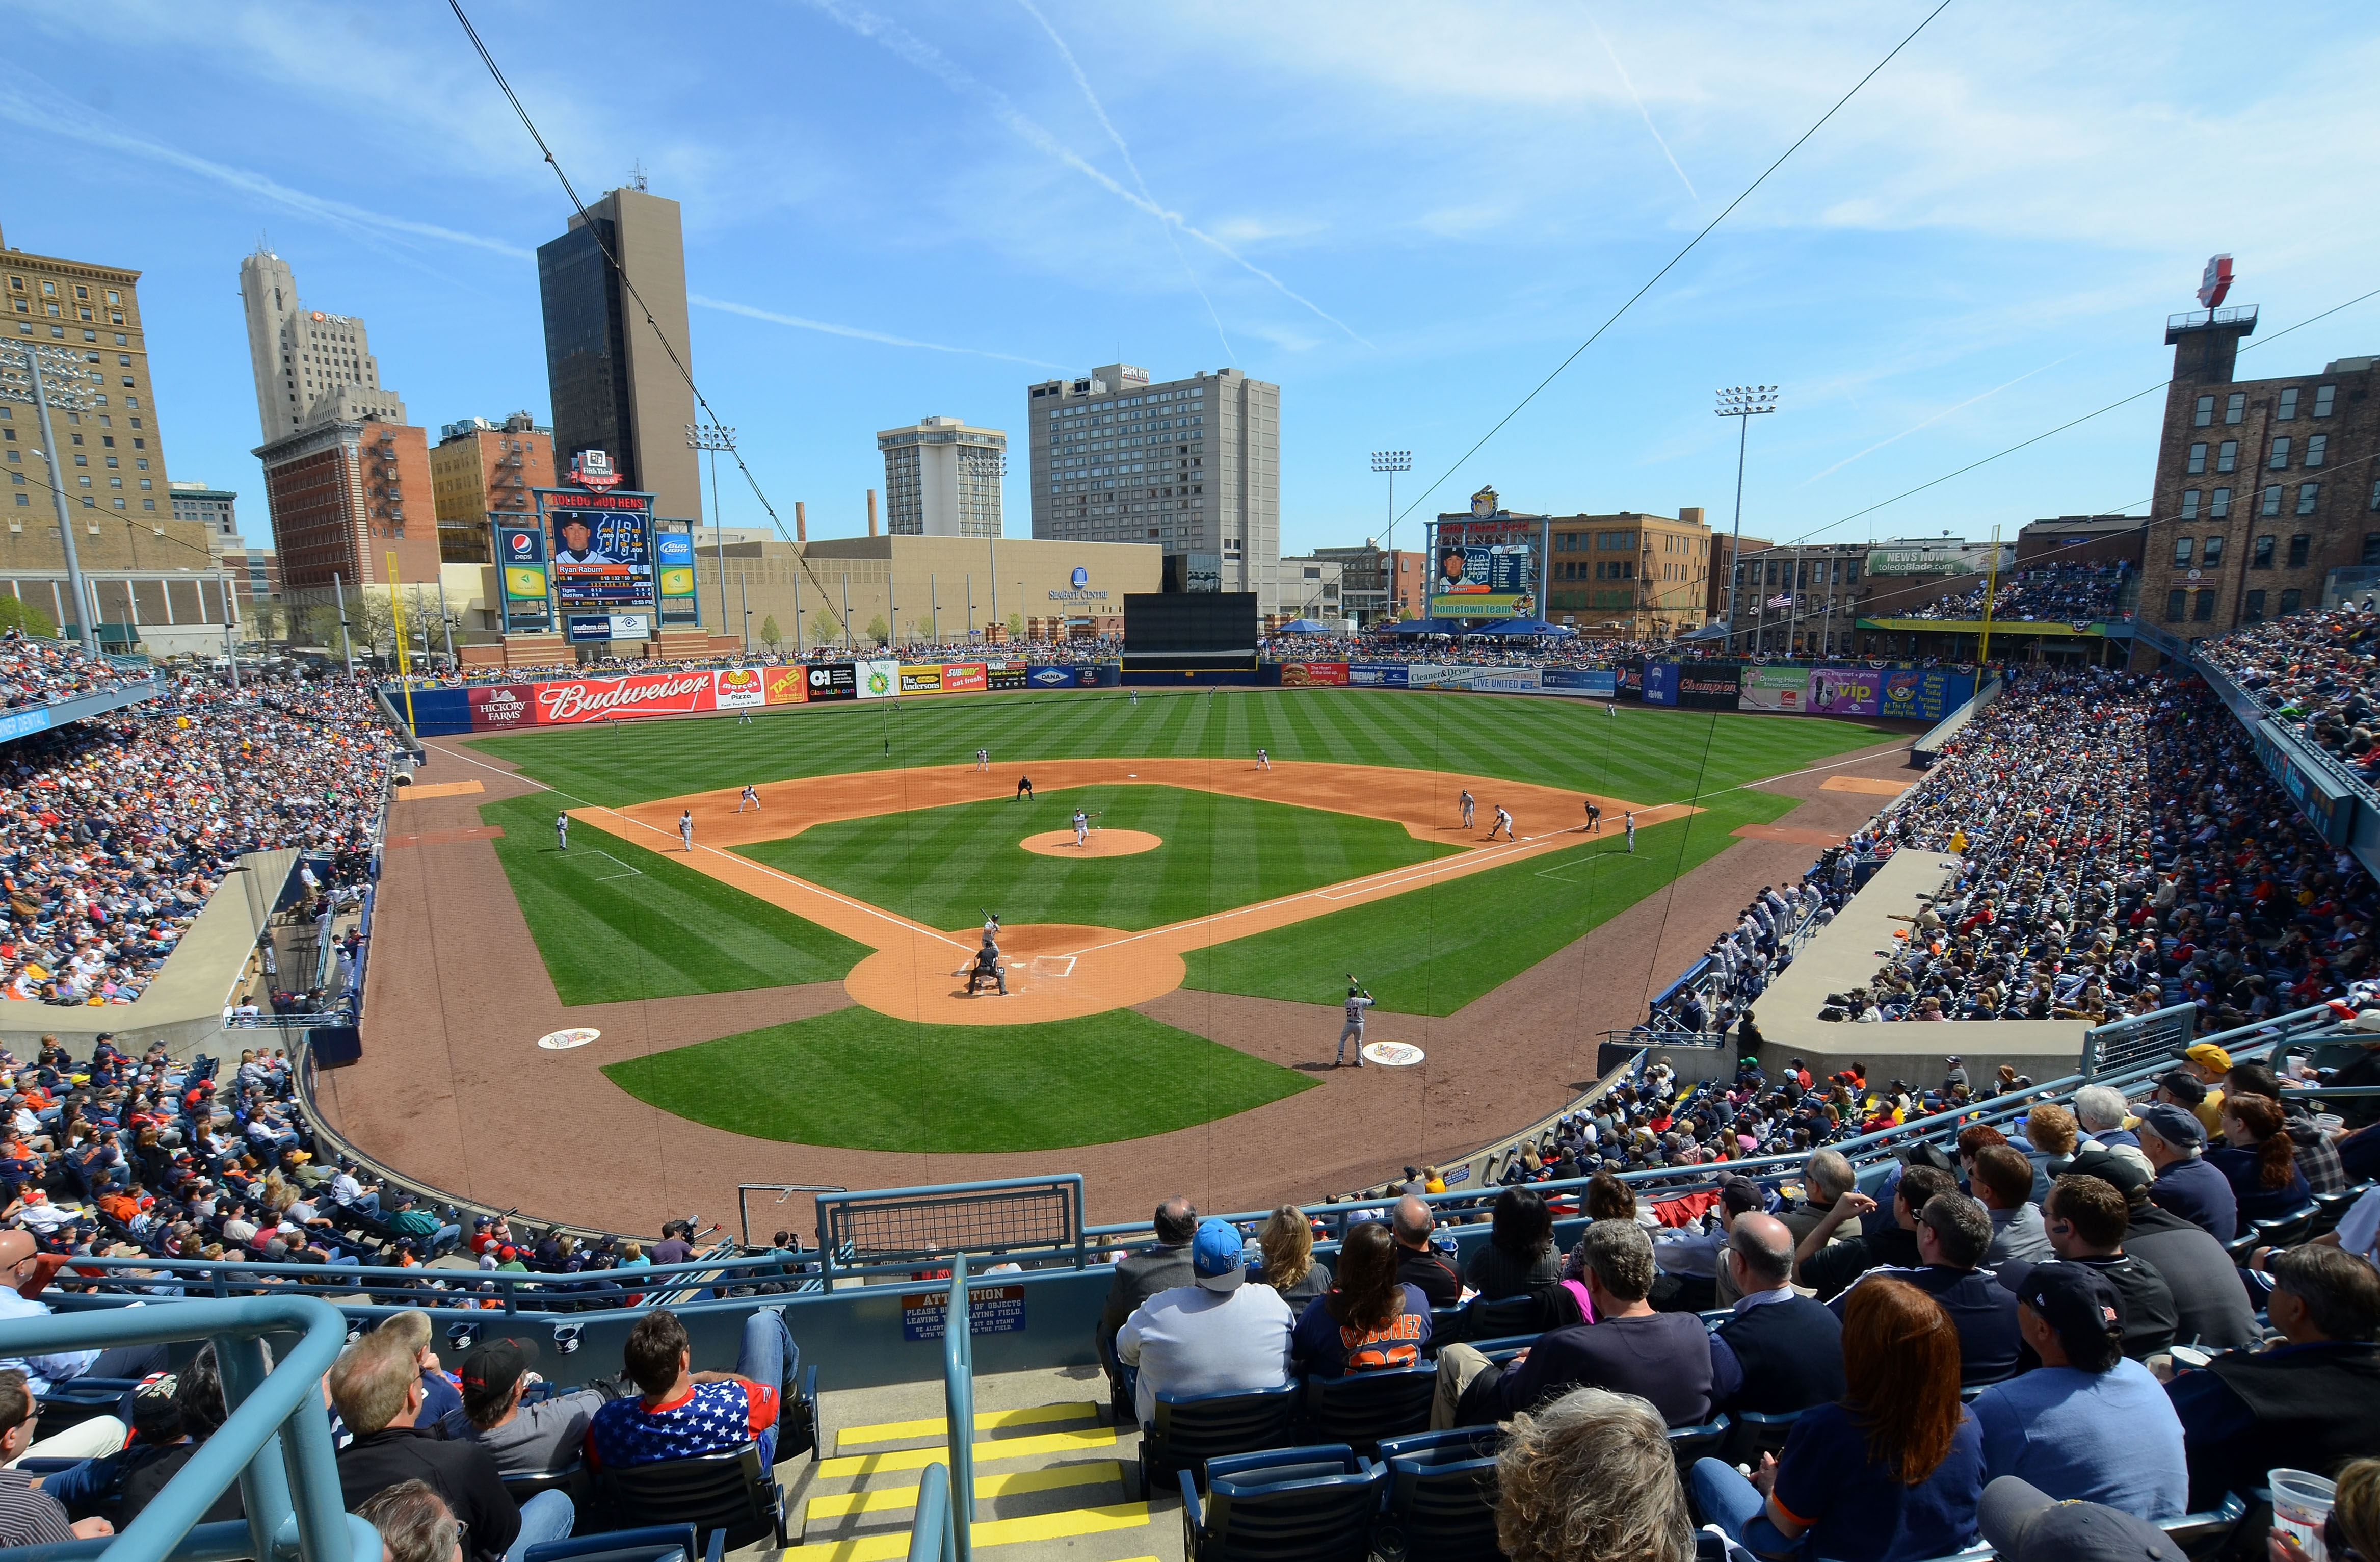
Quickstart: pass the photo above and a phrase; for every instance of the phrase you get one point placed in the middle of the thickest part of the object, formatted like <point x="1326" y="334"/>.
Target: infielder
<point x="1467" y="805"/>
<point x="983" y="759"/>
<point x="562" y="830"/>
<point x="750" y="795"/>
<point x="685" y="829"/>
<point x="1358" y="1001"/>
<point x="1082" y="828"/>
<point x="1628" y="822"/>
<point x="1503" y="822"/>
<point x="1594" y="818"/>
<point x="1264" y="761"/>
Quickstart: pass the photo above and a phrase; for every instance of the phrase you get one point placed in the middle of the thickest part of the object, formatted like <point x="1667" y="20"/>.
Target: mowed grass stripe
<point x="857" y="1080"/>
<point x="1434" y="949"/>
<point x="607" y="935"/>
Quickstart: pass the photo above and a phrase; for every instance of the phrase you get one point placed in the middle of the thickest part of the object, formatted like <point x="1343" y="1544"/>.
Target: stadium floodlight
<point x="1742" y="403"/>
<point x="715" y="437"/>
<point x="1391" y="462"/>
<point x="44" y="377"/>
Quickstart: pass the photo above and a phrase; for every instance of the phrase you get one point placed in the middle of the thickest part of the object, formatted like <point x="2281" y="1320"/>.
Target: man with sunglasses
<point x="28" y="1514"/>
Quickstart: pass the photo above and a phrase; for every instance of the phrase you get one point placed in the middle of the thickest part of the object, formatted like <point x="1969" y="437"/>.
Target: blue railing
<point x="958" y="1399"/>
<point x="277" y="1433"/>
<point x="934" y="1538"/>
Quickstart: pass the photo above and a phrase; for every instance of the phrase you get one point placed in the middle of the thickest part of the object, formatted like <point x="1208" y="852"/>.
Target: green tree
<point x="771" y="636"/>
<point x="1016" y="626"/>
<point x="23" y="616"/>
<point x="268" y="620"/>
<point x="880" y="631"/>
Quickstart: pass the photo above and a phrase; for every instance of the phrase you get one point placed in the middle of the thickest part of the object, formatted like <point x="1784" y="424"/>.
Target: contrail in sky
<point x="854" y="331"/>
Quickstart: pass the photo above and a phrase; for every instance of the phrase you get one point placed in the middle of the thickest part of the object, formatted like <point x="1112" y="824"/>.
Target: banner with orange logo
<point x="787" y="686"/>
<point x="739" y="688"/>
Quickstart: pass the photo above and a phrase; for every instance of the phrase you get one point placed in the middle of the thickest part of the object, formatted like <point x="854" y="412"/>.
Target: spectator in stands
<point x="2086" y="1220"/>
<point x="2022" y="1525"/>
<point x="1788" y="1348"/>
<point x="2259" y="1159"/>
<point x="2002" y="1181"/>
<point x="2050" y="1136"/>
<point x="1589" y="1478"/>
<point x="2211" y="1307"/>
<point x="440" y="1397"/>
<point x="1419" y="1265"/>
<point x="1370" y="1320"/>
<point x="2174" y="1140"/>
<point x="2354" y="1528"/>
<point x="1160" y="1266"/>
<point x="675" y="1246"/>
<point x="685" y="1414"/>
<point x="1690" y="1257"/>
<point x="118" y="1486"/>
<point x="1215" y="1336"/>
<point x="1827" y="1175"/>
<point x="1953" y="1232"/>
<point x="2305" y="1404"/>
<point x="377" y="1386"/>
<point x="2087" y="1426"/>
<point x="2317" y="1157"/>
<point x="526" y="1439"/>
<point x="1666" y="1358"/>
<point x="28" y="1516"/>
<point x="1518" y="1258"/>
<point x="414" y="1525"/>
<point x="1828" y="1269"/>
<point x="26" y="1272"/>
<point x="1290" y="1267"/>
<point x="2101" y="1113"/>
<point x="1893" y="1470"/>
<point x="2208" y="1064"/>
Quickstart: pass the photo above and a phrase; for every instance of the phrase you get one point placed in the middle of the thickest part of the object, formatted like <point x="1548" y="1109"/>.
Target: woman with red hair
<point x="1891" y="1471"/>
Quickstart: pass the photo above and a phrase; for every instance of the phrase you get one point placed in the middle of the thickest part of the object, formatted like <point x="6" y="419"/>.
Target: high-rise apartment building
<point x="942" y="479"/>
<point x="613" y="385"/>
<point x="311" y="367"/>
<point x="481" y="473"/>
<point x="343" y="496"/>
<point x="214" y="509"/>
<point x="111" y="457"/>
<point x="1189" y="466"/>
<point x="2267" y="494"/>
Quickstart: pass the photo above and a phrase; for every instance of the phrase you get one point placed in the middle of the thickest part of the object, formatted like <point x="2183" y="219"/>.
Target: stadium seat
<point x="572" y="1478"/>
<point x="2331" y="1208"/>
<point x="734" y="1493"/>
<point x="1441" y="1497"/>
<point x="1483" y="1319"/>
<point x="653" y="1543"/>
<point x="1286" y="1504"/>
<point x="1191" y="1429"/>
<point x="2205" y="1535"/>
<point x="1691" y="1443"/>
<point x="1362" y="1408"/>
<point x="1757" y="1433"/>
<point x="2245" y="1243"/>
<point x="2288" y="1230"/>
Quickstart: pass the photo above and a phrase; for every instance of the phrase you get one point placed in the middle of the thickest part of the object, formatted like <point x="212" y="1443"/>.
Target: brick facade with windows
<point x="2265" y="488"/>
<point x="343" y="498"/>
<point x="113" y="459"/>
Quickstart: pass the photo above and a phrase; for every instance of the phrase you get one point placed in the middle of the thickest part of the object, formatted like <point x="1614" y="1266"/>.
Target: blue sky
<point x="1406" y="214"/>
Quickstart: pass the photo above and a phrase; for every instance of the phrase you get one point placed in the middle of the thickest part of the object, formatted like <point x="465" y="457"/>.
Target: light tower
<point x="1391" y="462"/>
<point x="1742" y="403"/>
<point x="22" y="367"/>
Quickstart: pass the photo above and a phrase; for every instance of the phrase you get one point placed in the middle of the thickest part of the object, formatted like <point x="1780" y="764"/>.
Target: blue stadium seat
<point x="2331" y="1208"/>
<point x="732" y="1492"/>
<point x="1691" y="1443"/>
<point x="2288" y="1230"/>
<point x="1441" y="1499"/>
<point x="1190" y="1428"/>
<point x="1362" y="1408"/>
<point x="653" y="1543"/>
<point x="1758" y="1433"/>
<point x="1285" y="1505"/>
<point x="1483" y="1319"/>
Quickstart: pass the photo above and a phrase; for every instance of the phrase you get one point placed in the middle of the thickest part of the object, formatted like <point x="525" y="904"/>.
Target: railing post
<point x="958" y="1398"/>
<point x="264" y="1484"/>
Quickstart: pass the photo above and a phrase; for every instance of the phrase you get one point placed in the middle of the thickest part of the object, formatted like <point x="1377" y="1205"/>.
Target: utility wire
<point x="1670" y="265"/>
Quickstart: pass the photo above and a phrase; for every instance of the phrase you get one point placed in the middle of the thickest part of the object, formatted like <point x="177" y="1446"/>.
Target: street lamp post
<point x="21" y="364"/>
<point x="1391" y="462"/>
<point x="713" y="437"/>
<point x="1742" y="403"/>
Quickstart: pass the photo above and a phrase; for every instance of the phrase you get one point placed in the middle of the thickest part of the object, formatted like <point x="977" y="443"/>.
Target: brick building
<point x="2267" y="490"/>
<point x="343" y="496"/>
<point x="482" y="472"/>
<point x="1631" y="574"/>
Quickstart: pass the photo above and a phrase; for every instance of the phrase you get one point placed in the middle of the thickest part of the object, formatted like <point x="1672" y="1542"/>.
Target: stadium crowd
<point x="2067" y="590"/>
<point x="42" y="672"/>
<point x="2315" y="671"/>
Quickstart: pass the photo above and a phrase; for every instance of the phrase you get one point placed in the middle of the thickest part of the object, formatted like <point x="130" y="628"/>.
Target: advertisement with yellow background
<point x="787" y="686"/>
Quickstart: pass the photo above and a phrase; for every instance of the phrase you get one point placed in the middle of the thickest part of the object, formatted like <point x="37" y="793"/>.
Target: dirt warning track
<point x="1065" y="973"/>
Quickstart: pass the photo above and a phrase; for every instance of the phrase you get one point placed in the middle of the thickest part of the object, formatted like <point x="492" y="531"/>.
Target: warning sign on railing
<point x="997" y="1310"/>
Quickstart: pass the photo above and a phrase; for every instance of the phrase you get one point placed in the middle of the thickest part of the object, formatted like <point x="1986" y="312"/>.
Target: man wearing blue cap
<point x="1215" y="1335"/>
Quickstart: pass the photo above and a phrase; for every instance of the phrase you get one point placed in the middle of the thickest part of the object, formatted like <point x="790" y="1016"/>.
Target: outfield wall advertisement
<point x="879" y="678"/>
<point x="1845" y="692"/>
<point x="1774" y="689"/>
<point x="1314" y="674"/>
<point x="1924" y="693"/>
<point x="1377" y="675"/>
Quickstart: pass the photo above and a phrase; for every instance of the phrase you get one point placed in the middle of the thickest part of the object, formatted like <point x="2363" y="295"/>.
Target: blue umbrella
<point x="1425" y="627"/>
<point x="1304" y="626"/>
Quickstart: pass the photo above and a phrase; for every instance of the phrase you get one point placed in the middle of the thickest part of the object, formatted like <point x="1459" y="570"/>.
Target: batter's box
<point x="1053" y="965"/>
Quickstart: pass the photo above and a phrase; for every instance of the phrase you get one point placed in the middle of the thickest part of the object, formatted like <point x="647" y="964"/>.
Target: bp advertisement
<point x="520" y="561"/>
<point x="879" y="678"/>
<point x="1775" y="689"/>
<point x="674" y="561"/>
<point x="1846" y="691"/>
<point x="1924" y="693"/>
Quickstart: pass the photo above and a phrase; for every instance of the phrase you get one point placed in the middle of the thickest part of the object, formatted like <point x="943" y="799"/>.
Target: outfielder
<point x="1082" y="828"/>
<point x="1467" y="805"/>
<point x="562" y="830"/>
<point x="1503" y="822"/>
<point x="1628" y="821"/>
<point x="750" y="795"/>
<point x="1358" y="1001"/>
<point x="686" y="829"/>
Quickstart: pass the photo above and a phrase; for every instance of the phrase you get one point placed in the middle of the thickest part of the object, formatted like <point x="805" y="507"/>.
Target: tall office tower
<point x="1191" y="465"/>
<point x="614" y="388"/>
<point x="941" y="478"/>
<point x="113" y="458"/>
<point x="311" y="367"/>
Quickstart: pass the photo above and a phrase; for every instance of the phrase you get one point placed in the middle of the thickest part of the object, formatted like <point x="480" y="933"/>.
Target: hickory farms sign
<point x="493" y="710"/>
<point x="578" y="700"/>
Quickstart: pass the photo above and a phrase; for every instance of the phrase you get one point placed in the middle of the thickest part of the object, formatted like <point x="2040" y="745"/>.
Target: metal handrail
<point x="933" y="1538"/>
<point x="958" y="1400"/>
<point x="277" y="1432"/>
<point x="224" y="1279"/>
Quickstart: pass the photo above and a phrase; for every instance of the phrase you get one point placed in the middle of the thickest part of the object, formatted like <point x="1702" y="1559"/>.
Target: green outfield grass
<point x="614" y="922"/>
<point x="946" y="866"/>
<point x="1649" y="755"/>
<point x="1437" y="947"/>
<point x="862" y="1080"/>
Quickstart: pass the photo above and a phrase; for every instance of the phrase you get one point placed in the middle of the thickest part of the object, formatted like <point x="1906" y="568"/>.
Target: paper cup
<point x="2301" y="1504"/>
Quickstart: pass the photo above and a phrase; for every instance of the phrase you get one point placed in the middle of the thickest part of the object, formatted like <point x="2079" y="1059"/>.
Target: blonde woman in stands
<point x="1289" y="1266"/>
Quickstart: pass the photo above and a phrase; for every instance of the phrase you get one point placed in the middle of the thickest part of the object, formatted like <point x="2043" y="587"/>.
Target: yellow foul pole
<point x="397" y="615"/>
<point x="1991" y="589"/>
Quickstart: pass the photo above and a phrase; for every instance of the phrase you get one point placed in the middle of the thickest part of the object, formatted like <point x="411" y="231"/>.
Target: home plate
<point x="1392" y="1054"/>
<point x="563" y="1041"/>
<point x="1053" y="965"/>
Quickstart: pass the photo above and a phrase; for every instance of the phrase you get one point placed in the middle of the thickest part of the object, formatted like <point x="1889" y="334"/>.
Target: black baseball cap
<point x="2025" y="1524"/>
<point x="2183" y="1086"/>
<point x="491" y="1369"/>
<point x="2123" y="1172"/>
<point x="2075" y="1300"/>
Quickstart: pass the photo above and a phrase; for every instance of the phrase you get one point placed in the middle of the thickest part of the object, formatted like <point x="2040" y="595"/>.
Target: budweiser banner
<point x="646" y="694"/>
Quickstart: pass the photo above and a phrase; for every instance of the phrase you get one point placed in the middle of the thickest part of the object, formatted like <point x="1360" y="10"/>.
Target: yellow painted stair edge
<point x="893" y="1499"/>
<point x="985" y="1420"/>
<point x="990" y="1531"/>
<point x="999" y="1448"/>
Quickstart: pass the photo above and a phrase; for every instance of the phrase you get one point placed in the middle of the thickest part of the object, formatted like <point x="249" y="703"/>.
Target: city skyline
<point x="1982" y="246"/>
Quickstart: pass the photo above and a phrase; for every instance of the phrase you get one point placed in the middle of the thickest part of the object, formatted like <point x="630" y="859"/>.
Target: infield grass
<point x="945" y="867"/>
<point x="862" y="1080"/>
<point x="614" y="921"/>
<point x="1439" y="946"/>
<point x="1649" y="755"/>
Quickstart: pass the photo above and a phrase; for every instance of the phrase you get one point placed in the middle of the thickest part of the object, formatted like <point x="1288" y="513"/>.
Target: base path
<point x="914" y="974"/>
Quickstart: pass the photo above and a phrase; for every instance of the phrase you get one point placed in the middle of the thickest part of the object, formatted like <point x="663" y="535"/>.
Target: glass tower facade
<point x="586" y="349"/>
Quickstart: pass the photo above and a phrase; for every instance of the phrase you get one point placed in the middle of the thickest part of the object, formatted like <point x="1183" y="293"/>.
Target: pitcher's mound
<point x="1103" y="843"/>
